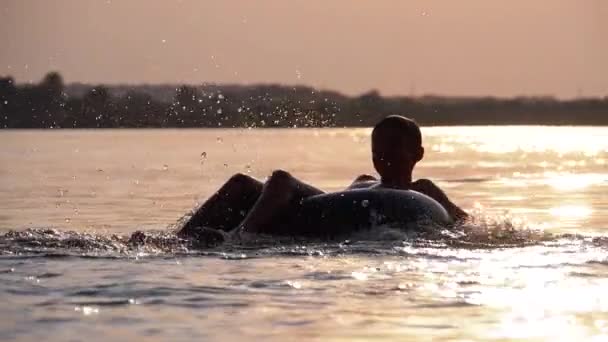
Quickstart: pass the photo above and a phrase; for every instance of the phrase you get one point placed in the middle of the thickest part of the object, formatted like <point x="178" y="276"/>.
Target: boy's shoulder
<point x="423" y="183"/>
<point x="426" y="186"/>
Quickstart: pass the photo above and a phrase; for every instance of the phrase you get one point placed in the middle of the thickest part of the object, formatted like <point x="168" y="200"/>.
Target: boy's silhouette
<point x="246" y="204"/>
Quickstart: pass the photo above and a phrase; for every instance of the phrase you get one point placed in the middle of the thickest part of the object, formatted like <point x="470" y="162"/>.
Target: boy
<point x="249" y="205"/>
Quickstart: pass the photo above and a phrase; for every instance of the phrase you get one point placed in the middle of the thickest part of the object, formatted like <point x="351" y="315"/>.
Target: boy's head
<point x="396" y="147"/>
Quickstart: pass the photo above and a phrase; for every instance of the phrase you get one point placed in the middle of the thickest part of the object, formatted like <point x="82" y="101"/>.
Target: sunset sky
<point x="415" y="47"/>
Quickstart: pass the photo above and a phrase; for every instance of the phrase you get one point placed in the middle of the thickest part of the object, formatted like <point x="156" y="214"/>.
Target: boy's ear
<point x="420" y="154"/>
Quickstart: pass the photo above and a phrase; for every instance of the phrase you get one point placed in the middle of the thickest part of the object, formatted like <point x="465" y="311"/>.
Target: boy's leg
<point x="281" y="193"/>
<point x="227" y="207"/>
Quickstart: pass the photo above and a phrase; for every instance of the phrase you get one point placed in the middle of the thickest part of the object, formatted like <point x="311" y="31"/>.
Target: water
<point x="533" y="265"/>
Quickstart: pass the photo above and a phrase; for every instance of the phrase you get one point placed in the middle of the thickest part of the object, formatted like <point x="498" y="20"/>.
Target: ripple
<point x="110" y="303"/>
<point x="54" y="320"/>
<point x="48" y="275"/>
<point x="454" y="304"/>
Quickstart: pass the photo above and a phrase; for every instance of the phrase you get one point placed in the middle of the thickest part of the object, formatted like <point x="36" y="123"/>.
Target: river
<point x="531" y="265"/>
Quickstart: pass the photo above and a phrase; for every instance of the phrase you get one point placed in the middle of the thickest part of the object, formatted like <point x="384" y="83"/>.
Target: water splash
<point x="482" y="232"/>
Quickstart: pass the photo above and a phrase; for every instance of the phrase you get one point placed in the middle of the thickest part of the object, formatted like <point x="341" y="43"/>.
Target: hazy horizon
<point x="469" y="48"/>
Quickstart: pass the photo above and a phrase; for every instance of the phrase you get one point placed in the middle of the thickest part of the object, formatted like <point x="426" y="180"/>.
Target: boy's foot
<point x="207" y="237"/>
<point x="138" y="238"/>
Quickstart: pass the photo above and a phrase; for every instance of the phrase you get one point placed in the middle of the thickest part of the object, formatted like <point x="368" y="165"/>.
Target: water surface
<point x="532" y="265"/>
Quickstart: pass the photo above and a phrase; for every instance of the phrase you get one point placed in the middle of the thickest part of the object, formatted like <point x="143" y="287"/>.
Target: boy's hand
<point x="429" y="188"/>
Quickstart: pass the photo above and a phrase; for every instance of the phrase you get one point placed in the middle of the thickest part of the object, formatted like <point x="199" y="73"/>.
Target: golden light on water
<point x="542" y="302"/>
<point x="551" y="288"/>
<point x="443" y="148"/>
<point x="527" y="140"/>
<point x="531" y="142"/>
<point x="571" y="211"/>
<point x="568" y="182"/>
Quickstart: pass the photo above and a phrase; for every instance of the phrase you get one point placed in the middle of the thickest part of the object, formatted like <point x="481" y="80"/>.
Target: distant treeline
<point x="51" y="104"/>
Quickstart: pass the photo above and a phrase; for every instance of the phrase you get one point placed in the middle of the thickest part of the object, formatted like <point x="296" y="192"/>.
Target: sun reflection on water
<point x="571" y="211"/>
<point x="539" y="301"/>
<point x="570" y="181"/>
<point x="499" y="140"/>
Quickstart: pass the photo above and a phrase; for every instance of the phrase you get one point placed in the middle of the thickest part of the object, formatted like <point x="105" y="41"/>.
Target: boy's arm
<point x="429" y="188"/>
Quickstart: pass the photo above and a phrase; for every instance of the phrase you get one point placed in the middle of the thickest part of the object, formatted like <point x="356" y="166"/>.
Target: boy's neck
<point x="400" y="183"/>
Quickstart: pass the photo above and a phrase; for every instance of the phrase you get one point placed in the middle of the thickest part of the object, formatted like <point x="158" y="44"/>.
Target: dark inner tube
<point x="340" y="213"/>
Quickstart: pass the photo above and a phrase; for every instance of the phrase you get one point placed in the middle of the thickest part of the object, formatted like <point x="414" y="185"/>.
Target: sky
<point x="399" y="47"/>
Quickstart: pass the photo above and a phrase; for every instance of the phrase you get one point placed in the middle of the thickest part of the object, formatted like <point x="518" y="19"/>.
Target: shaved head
<point x="397" y="130"/>
<point x="396" y="148"/>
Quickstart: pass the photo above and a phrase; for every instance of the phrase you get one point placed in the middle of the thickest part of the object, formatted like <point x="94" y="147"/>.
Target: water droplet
<point x="220" y="96"/>
<point x="163" y="41"/>
<point x="87" y="310"/>
<point x="67" y="220"/>
<point x="165" y="167"/>
<point x="219" y="140"/>
<point x="365" y="203"/>
<point x="219" y="111"/>
<point x="294" y="284"/>
<point x="32" y="278"/>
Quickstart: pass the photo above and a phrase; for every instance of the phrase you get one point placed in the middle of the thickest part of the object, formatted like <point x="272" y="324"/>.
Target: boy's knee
<point x="246" y="183"/>
<point x="281" y="178"/>
<point x="241" y="179"/>
<point x="281" y="175"/>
